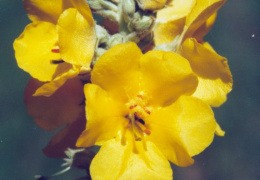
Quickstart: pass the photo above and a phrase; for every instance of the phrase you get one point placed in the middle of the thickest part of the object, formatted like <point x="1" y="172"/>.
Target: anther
<point x="55" y="50"/>
<point x="140" y="96"/>
<point x="143" y="128"/>
<point x="147" y="111"/>
<point x="57" y="61"/>
<point x="141" y="121"/>
<point x="147" y="131"/>
<point x="131" y="107"/>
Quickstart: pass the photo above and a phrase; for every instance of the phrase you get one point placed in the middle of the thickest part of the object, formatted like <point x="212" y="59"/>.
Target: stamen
<point x="131" y="107"/>
<point x="55" y="50"/>
<point x="141" y="121"/>
<point x="147" y="131"/>
<point x="147" y="111"/>
<point x="144" y="129"/>
<point x="140" y="96"/>
<point x="132" y="119"/>
<point x="57" y="61"/>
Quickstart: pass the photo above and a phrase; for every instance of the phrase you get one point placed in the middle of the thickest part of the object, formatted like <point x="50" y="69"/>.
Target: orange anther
<point x="147" y="131"/>
<point x="147" y="111"/>
<point x="131" y="107"/>
<point x="140" y="96"/>
<point x="55" y="50"/>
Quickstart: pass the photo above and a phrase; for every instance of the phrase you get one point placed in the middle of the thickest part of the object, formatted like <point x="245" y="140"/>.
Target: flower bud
<point x="115" y="39"/>
<point x="141" y="24"/>
<point x="102" y="34"/>
<point x="128" y="9"/>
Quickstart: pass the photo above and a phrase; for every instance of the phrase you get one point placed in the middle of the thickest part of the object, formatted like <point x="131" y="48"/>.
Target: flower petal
<point x="117" y="161"/>
<point x="215" y="79"/>
<point x="117" y="70"/>
<point x="33" y="50"/>
<point x="167" y="32"/>
<point x="66" y="138"/>
<point x="83" y="8"/>
<point x="188" y="127"/>
<point x="166" y="76"/>
<point x="61" y="108"/>
<point x="151" y="4"/>
<point x="50" y="10"/>
<point x="174" y="10"/>
<point x="219" y="131"/>
<point x="204" y="28"/>
<point x="49" y="88"/>
<point x="105" y="117"/>
<point x="47" y="10"/>
<point x="77" y="38"/>
<point x="199" y="15"/>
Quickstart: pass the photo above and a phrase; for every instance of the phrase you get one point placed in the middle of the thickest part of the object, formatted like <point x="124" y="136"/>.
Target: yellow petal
<point x="60" y="109"/>
<point x="204" y="28"/>
<point x="219" y="131"/>
<point x="167" y="32"/>
<point x="199" y="15"/>
<point x="105" y="117"/>
<point x="83" y="8"/>
<point x="117" y="161"/>
<point x="77" y="38"/>
<point x="151" y="4"/>
<point x="50" y="10"/>
<point x="174" y="10"/>
<point x="182" y="129"/>
<point x="47" y="10"/>
<point x="33" y="50"/>
<point x="215" y="79"/>
<point x="117" y="70"/>
<point x="51" y="87"/>
<point x="166" y="76"/>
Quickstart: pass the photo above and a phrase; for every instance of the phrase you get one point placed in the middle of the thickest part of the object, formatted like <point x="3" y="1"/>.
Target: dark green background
<point x="234" y="157"/>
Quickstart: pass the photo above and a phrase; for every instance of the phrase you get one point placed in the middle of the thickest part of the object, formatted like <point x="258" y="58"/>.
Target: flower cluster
<point x="140" y="84"/>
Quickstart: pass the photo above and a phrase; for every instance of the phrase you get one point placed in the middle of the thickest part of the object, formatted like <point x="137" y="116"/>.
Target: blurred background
<point x="235" y="35"/>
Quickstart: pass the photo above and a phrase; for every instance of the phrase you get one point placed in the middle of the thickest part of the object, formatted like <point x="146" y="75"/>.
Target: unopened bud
<point x="128" y="7"/>
<point x="104" y="8"/>
<point x="98" y="53"/>
<point x="102" y="34"/>
<point x="141" y="24"/>
<point x="115" y="39"/>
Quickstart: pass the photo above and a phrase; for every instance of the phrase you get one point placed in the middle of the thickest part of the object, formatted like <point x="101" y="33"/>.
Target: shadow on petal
<point x="66" y="138"/>
<point x="63" y="107"/>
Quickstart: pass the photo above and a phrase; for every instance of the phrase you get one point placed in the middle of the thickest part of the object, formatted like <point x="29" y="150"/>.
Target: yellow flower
<point x="190" y="18"/>
<point x="151" y="4"/>
<point x="191" y="22"/>
<point x="58" y="44"/>
<point x="62" y="109"/>
<point x="140" y="111"/>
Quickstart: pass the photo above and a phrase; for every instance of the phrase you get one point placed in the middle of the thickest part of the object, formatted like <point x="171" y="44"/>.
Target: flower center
<point x="138" y="111"/>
